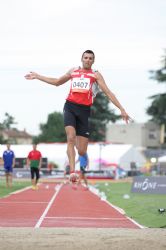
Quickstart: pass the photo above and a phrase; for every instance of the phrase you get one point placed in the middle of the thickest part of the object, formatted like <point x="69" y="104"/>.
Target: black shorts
<point x="35" y="171"/>
<point x="77" y="116"/>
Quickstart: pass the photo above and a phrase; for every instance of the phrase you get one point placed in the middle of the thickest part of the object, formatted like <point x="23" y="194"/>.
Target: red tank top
<point x="81" y="87"/>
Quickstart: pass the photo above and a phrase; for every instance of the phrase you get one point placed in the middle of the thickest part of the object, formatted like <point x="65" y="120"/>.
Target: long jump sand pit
<point x="82" y="239"/>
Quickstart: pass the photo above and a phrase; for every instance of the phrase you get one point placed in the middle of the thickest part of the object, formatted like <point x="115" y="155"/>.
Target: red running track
<point x="60" y="206"/>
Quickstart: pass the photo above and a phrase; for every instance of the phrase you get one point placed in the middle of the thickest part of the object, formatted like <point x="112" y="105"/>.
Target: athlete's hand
<point x="125" y="116"/>
<point x="31" y="76"/>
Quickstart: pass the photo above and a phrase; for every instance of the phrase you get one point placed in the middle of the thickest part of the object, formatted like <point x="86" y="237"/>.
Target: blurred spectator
<point x="34" y="160"/>
<point x="9" y="162"/>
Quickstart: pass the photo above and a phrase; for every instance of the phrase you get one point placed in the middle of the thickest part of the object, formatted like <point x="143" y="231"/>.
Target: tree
<point x="101" y="114"/>
<point x="8" y="121"/>
<point x="2" y="141"/>
<point x="52" y="130"/>
<point x="157" y="108"/>
<point x="6" y="124"/>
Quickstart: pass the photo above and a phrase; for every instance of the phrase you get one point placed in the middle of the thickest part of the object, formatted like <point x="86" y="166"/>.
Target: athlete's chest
<point x="82" y="82"/>
<point x="34" y="154"/>
<point x="8" y="153"/>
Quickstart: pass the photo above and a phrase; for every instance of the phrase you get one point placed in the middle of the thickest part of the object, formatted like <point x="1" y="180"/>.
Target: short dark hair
<point x="89" y="52"/>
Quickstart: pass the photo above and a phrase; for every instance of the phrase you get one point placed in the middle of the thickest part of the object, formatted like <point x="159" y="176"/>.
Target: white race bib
<point x="80" y="84"/>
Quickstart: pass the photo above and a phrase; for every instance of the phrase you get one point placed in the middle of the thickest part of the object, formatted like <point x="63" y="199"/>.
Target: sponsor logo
<point x="155" y="185"/>
<point x="146" y="184"/>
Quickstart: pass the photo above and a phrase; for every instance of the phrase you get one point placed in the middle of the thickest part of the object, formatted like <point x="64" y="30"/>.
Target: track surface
<point x="54" y="205"/>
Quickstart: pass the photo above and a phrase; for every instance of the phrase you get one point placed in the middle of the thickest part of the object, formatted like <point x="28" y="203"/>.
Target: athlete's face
<point x="87" y="60"/>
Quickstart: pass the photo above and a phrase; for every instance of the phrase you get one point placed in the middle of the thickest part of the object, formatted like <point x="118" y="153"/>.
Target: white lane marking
<point x="136" y="223"/>
<point x="15" y="192"/>
<point x="21" y="190"/>
<point x="58" y="187"/>
<point x="121" y="211"/>
<point x="84" y="218"/>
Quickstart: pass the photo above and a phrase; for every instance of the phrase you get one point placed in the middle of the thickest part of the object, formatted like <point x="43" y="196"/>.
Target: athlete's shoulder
<point x="96" y="73"/>
<point x="30" y="153"/>
<point x="95" y="70"/>
<point x="74" y="70"/>
<point x="95" y="87"/>
<point x="98" y="76"/>
<point x="39" y="152"/>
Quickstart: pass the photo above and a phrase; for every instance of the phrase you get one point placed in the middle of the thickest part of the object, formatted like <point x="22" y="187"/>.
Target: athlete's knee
<point x="81" y="151"/>
<point x="71" y="139"/>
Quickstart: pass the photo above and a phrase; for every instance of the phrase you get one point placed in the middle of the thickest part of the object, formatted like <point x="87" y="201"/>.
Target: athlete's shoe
<point x="34" y="187"/>
<point x="73" y="177"/>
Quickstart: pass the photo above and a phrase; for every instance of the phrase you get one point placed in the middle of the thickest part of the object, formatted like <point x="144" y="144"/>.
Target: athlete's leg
<point x="7" y="179"/>
<point x="80" y="177"/>
<point x="71" y="141"/>
<point x="85" y="179"/>
<point x="70" y="128"/>
<point x="10" y="179"/>
<point x="82" y="131"/>
<point x="83" y="175"/>
<point x="32" y="178"/>
<point x="37" y="175"/>
<point x="81" y="144"/>
<point x="76" y="123"/>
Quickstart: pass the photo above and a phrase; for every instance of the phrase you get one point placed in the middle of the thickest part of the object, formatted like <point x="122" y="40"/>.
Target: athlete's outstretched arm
<point x="53" y="81"/>
<point x="111" y="96"/>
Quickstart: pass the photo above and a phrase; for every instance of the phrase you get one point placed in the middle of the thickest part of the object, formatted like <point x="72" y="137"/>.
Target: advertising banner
<point x="149" y="185"/>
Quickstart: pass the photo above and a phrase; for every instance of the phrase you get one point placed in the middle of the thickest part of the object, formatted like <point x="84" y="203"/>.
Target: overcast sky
<point x="49" y="36"/>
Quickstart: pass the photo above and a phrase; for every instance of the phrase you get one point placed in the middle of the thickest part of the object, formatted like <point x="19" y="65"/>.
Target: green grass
<point x="16" y="186"/>
<point x="143" y="208"/>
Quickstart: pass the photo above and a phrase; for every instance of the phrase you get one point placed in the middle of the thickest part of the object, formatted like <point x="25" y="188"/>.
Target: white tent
<point x="55" y="152"/>
<point x="162" y="158"/>
<point x="120" y="154"/>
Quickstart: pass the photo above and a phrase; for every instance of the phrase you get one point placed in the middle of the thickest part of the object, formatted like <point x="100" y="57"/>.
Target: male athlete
<point x="77" y="105"/>
<point x="9" y="162"/>
<point x="34" y="160"/>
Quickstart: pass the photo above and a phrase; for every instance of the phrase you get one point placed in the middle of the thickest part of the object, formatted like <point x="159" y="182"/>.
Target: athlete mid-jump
<point x="84" y="82"/>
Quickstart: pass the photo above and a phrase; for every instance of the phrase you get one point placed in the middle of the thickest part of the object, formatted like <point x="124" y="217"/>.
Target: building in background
<point x="15" y="136"/>
<point x="146" y="135"/>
